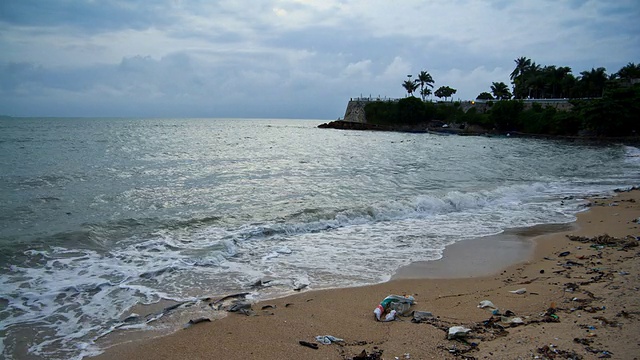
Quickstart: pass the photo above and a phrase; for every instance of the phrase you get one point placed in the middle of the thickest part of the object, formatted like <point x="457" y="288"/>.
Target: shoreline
<point x="279" y="324"/>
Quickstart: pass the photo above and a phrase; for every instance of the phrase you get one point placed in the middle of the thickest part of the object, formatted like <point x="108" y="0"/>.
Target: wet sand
<point x="583" y="304"/>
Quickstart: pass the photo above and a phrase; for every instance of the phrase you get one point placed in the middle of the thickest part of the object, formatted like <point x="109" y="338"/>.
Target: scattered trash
<point x="260" y="283"/>
<point x="239" y="306"/>
<point x="131" y="318"/>
<point x="564" y="253"/>
<point x="570" y="263"/>
<point x="248" y="312"/>
<point x="196" y="321"/>
<point x="487" y="304"/>
<point x="420" y="316"/>
<point x="327" y="339"/>
<point x="376" y="355"/>
<point x="512" y="321"/>
<point x="550" y="353"/>
<point x="395" y="304"/>
<point x="519" y="291"/>
<point x="308" y="344"/>
<point x="457" y="332"/>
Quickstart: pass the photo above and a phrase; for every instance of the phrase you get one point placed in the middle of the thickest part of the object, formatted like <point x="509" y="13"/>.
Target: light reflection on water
<point x="114" y="213"/>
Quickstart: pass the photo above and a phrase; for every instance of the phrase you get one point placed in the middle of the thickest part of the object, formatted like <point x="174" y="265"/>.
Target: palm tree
<point x="557" y="78"/>
<point x="500" y="91"/>
<point x="410" y="86"/>
<point x="424" y="78"/>
<point x="425" y="92"/>
<point x="592" y="82"/>
<point x="522" y="65"/>
<point x="629" y="71"/>
<point x="533" y="80"/>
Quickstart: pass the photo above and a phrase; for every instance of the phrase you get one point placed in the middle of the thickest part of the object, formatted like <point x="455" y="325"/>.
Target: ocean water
<point x="101" y="216"/>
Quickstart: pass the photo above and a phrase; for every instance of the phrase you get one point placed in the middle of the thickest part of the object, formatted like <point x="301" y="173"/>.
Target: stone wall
<point x="355" y="111"/>
<point x="355" y="108"/>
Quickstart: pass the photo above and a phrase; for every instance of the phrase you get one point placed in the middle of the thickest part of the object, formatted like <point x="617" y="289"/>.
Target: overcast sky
<point x="285" y="58"/>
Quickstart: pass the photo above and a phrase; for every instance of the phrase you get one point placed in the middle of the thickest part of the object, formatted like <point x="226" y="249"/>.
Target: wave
<point x="632" y="155"/>
<point x="83" y="292"/>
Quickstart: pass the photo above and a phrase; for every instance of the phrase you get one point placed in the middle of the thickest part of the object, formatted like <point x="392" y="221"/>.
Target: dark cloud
<point x="89" y="16"/>
<point x="284" y="58"/>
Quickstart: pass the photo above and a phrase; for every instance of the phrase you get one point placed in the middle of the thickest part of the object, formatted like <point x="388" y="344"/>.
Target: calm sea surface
<point x="100" y="216"/>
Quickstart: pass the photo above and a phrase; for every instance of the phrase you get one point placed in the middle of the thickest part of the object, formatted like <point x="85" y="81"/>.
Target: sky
<point x="286" y="58"/>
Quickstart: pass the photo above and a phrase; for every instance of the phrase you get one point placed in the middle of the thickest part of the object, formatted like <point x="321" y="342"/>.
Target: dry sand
<point x="580" y="306"/>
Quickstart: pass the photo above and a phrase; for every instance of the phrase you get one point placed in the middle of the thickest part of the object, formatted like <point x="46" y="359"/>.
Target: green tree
<point x="592" y="83"/>
<point x="517" y="75"/>
<point x="411" y="110"/>
<point x="615" y="114"/>
<point x="533" y="81"/>
<point x="500" y="91"/>
<point x="555" y="78"/>
<point x="484" y="96"/>
<point x="445" y="92"/>
<point x="424" y="78"/>
<point x="410" y="86"/>
<point x="504" y="114"/>
<point x="425" y="92"/>
<point x="629" y="71"/>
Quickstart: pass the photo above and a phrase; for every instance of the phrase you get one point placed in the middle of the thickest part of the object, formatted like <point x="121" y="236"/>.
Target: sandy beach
<point x="563" y="292"/>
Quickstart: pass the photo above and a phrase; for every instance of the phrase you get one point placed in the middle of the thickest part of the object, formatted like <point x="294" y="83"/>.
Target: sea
<point x="116" y="225"/>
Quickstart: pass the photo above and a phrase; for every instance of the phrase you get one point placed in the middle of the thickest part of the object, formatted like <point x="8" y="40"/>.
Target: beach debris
<point x="605" y="321"/>
<point x="248" y="312"/>
<point x="395" y="305"/>
<point x="268" y="307"/>
<point x="242" y="305"/>
<point x="458" y="350"/>
<point x="300" y="287"/>
<point x="328" y="339"/>
<point x="607" y="240"/>
<point x="456" y="332"/>
<point x="571" y="263"/>
<point x="196" y="321"/>
<point x="605" y="354"/>
<point x="375" y="355"/>
<point x="260" y="283"/>
<point x="131" y="318"/>
<point x="309" y="344"/>
<point x="519" y="291"/>
<point x="218" y="303"/>
<point x="583" y="341"/>
<point x="420" y="316"/>
<point x="513" y="321"/>
<point x="550" y="352"/>
<point x="564" y="253"/>
<point x="486" y="304"/>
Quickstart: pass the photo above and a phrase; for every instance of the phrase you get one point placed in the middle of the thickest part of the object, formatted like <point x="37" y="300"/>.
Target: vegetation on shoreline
<point x="603" y="105"/>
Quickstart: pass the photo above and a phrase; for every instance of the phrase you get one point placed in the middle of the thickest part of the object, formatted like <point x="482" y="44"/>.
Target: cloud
<point x="285" y="58"/>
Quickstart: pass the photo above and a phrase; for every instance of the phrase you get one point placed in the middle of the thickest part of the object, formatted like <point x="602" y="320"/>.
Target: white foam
<point x="632" y="155"/>
<point x="81" y="294"/>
